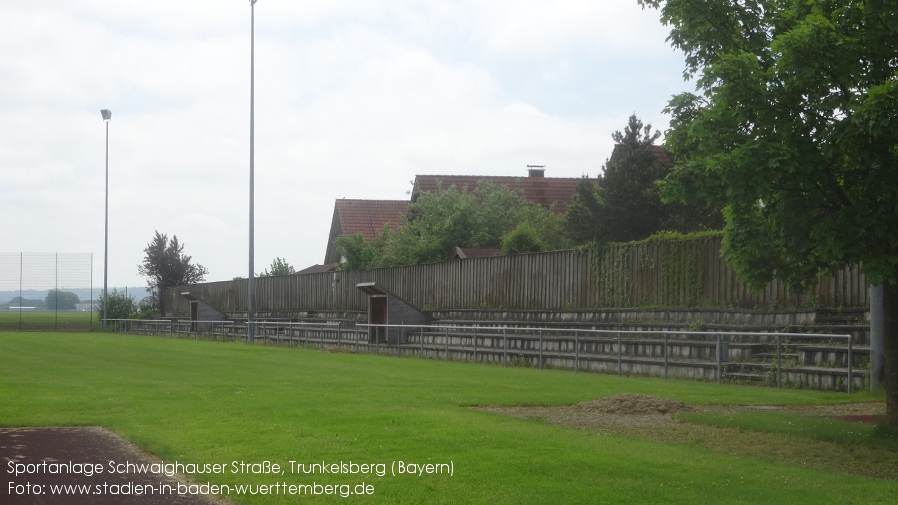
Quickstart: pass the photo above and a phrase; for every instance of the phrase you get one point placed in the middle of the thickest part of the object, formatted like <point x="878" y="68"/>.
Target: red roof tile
<point x="368" y="217"/>
<point x="542" y="190"/>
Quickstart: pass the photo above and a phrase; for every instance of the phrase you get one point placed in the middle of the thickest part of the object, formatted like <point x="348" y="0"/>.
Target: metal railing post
<point x="719" y="361"/>
<point x="300" y="332"/>
<point x="540" y="349"/>
<point x="849" y="364"/>
<point x="619" y="354"/>
<point x="475" y="345"/>
<point x="779" y="361"/>
<point x="505" y="346"/>
<point x="665" y="355"/>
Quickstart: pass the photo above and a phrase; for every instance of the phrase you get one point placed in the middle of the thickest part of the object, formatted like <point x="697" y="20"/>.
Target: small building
<point x="201" y="311"/>
<point x="385" y="308"/>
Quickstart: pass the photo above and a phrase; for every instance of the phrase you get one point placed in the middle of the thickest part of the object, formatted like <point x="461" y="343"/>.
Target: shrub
<point x="121" y="306"/>
<point x="523" y="239"/>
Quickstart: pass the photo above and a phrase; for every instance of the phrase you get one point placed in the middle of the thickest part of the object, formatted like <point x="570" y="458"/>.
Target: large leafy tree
<point x="625" y="203"/>
<point x="630" y="201"/>
<point x="61" y="300"/>
<point x="165" y="265"/>
<point x="794" y="130"/>
<point x="582" y="220"/>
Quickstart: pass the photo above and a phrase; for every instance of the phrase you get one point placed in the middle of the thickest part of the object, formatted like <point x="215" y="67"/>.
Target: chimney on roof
<point x="536" y="170"/>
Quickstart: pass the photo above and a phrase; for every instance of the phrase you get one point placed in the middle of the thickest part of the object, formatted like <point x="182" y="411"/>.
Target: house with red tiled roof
<point x="661" y="154"/>
<point x="536" y="187"/>
<point x="368" y="217"/>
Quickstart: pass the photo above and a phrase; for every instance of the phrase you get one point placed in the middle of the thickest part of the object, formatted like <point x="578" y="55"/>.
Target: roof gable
<point x="368" y="217"/>
<point x="542" y="190"/>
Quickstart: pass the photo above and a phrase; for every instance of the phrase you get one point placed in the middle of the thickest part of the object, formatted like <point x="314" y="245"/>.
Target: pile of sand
<point x="633" y="404"/>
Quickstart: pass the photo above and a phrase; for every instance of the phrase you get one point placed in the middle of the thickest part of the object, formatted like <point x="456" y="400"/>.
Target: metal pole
<point x="250" y="288"/>
<point x="719" y="362"/>
<point x="540" y="349"/>
<point x="106" y="234"/>
<point x="21" y="298"/>
<point x="91" y="290"/>
<point x="475" y="345"/>
<point x="504" y="346"/>
<point x="849" y="364"/>
<point x="877" y="339"/>
<point x="665" y="355"/>
<point x="619" y="354"/>
<point x="56" y="298"/>
<point x="779" y="360"/>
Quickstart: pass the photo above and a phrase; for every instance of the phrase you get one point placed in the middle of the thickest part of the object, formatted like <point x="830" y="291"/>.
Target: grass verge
<point x="47" y="320"/>
<point x="204" y="402"/>
<point x="810" y="428"/>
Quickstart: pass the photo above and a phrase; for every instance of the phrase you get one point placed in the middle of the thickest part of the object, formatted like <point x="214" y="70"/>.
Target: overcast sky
<point x="353" y="99"/>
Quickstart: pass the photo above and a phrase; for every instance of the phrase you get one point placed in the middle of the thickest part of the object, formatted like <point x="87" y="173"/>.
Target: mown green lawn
<point x="205" y="402"/>
<point x="63" y="320"/>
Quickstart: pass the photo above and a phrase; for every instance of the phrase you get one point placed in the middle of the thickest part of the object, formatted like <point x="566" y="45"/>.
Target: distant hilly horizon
<point x="84" y="294"/>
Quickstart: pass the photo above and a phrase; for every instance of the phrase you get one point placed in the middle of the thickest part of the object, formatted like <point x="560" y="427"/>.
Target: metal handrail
<point x="502" y="330"/>
<point x="479" y="333"/>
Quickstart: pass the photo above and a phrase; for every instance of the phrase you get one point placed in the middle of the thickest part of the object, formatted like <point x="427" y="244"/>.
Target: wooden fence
<point x="669" y="274"/>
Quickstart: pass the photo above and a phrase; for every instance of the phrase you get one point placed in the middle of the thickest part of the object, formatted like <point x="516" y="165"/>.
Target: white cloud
<point x="532" y="27"/>
<point x="353" y="99"/>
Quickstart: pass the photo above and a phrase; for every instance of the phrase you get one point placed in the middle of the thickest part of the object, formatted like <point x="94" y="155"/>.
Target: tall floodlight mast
<point x="107" y="117"/>
<point x="250" y="281"/>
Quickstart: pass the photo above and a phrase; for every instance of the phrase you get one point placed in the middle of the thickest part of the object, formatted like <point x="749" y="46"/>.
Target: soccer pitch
<point x="389" y="430"/>
<point x="47" y="320"/>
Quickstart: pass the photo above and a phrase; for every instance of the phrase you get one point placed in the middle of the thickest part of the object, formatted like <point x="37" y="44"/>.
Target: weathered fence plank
<point x="673" y="274"/>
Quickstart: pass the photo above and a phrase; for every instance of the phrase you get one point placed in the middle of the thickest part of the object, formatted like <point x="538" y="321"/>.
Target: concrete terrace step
<point x="745" y="377"/>
<point x="841" y="317"/>
<point x="771" y="356"/>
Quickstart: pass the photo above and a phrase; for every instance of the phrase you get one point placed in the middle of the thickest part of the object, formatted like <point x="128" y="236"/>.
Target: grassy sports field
<point x="213" y="403"/>
<point x="63" y="320"/>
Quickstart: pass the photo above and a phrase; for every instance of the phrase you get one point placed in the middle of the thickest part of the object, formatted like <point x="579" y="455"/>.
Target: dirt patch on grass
<point x="45" y="457"/>
<point x="653" y="418"/>
<point x="611" y="413"/>
<point x="632" y="404"/>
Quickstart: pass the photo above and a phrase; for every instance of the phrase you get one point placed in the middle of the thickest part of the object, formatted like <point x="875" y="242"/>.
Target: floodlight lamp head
<point x="107" y="114"/>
